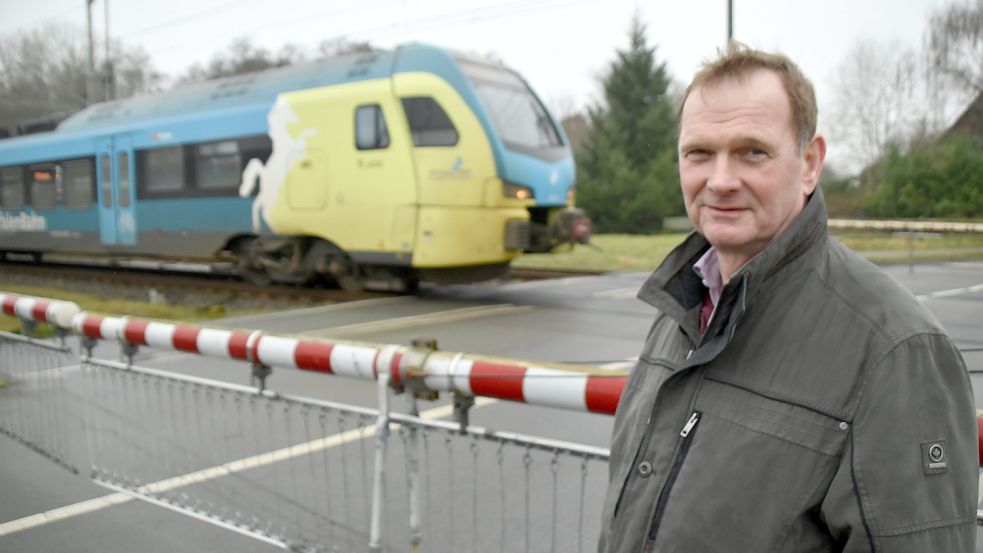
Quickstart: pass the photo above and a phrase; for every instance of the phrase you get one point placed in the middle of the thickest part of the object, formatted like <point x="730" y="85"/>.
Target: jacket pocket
<point x="754" y="474"/>
<point x="631" y="423"/>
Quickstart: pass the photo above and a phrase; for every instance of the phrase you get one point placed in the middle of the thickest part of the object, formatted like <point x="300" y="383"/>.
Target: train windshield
<point x="518" y="116"/>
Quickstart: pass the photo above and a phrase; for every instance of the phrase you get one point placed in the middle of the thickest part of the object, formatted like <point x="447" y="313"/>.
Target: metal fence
<point x="34" y="371"/>
<point x="300" y="473"/>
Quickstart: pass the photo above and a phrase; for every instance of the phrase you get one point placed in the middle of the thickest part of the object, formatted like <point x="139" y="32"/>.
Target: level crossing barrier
<point x="302" y="473"/>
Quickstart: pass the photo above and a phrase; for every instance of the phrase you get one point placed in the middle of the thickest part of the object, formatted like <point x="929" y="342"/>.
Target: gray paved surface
<point x="592" y="320"/>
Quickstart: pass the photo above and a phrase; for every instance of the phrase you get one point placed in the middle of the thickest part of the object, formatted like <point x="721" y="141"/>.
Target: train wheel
<point x="333" y="263"/>
<point x="248" y="267"/>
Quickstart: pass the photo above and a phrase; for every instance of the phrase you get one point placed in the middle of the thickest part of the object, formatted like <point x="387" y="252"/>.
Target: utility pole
<point x="108" y="75"/>
<point x="730" y="21"/>
<point x="92" y="55"/>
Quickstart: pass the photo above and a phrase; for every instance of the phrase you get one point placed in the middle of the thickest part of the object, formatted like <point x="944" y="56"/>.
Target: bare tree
<point x="242" y="56"/>
<point x="43" y="73"/>
<point x="564" y="105"/>
<point x="955" y="44"/>
<point x="340" y="45"/>
<point x="881" y="97"/>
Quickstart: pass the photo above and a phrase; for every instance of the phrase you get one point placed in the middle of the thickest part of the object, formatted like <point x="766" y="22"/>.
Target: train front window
<point x="43" y="186"/>
<point x="518" y="116"/>
<point x="12" y="188"/>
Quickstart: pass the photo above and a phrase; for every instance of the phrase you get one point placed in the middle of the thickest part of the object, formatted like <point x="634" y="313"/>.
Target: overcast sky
<point x="560" y="46"/>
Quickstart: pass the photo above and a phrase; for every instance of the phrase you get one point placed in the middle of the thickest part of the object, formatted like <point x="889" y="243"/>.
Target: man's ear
<point x="812" y="163"/>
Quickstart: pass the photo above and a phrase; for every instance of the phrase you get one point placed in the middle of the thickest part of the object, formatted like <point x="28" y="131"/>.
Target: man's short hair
<point x="739" y="61"/>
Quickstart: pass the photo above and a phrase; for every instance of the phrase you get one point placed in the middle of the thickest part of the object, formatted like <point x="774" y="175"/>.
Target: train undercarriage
<point x="304" y="260"/>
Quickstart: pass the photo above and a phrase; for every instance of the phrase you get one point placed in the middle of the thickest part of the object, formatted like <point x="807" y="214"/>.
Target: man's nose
<point x="724" y="177"/>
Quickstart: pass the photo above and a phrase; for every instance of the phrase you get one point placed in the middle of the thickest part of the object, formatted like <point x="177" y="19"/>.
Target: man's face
<point x="742" y="175"/>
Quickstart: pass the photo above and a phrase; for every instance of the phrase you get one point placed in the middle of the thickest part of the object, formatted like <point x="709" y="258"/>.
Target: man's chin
<point x="725" y="236"/>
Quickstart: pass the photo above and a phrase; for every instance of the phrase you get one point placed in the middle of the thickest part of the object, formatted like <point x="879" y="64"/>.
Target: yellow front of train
<point x="421" y="172"/>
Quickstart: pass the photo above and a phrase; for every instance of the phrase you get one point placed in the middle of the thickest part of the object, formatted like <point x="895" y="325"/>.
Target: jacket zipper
<point x="686" y="434"/>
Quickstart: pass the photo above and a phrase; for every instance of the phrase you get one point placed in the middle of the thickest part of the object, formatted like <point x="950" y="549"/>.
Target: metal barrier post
<point x="259" y="371"/>
<point x="28" y="327"/>
<point x="379" y="474"/>
<point x="413" y="478"/>
<point x="462" y="402"/>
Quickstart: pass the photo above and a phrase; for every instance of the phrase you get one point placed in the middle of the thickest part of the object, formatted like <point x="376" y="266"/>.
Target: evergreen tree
<point x="627" y="175"/>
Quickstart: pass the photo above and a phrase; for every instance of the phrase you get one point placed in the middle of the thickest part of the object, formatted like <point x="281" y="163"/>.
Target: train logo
<point x="271" y="175"/>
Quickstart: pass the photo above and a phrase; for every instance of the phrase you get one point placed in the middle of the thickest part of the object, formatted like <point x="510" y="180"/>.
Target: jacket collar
<point x="675" y="289"/>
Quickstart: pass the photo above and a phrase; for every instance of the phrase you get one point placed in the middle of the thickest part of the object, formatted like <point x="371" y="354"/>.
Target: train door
<point x="115" y="171"/>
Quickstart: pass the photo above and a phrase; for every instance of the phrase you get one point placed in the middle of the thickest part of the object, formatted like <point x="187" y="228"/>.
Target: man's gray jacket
<point x="823" y="410"/>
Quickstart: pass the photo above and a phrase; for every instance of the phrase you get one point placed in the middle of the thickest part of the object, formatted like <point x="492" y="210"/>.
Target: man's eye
<point x="697" y="155"/>
<point x="755" y="153"/>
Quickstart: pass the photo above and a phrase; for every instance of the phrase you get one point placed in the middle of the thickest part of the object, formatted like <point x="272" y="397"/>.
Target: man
<point x="790" y="395"/>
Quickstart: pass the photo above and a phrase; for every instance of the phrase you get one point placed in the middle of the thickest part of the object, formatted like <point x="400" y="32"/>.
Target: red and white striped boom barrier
<point x="423" y="369"/>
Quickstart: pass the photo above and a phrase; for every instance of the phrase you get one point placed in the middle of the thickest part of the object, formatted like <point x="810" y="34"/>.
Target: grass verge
<point x="609" y="252"/>
<point x="114" y="306"/>
<point x="622" y="252"/>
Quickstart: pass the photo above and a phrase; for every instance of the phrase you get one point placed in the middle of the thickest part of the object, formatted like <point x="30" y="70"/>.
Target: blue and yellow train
<point x="386" y="167"/>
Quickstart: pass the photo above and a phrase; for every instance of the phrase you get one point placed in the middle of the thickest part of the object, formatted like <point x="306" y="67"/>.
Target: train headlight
<point x="517" y="191"/>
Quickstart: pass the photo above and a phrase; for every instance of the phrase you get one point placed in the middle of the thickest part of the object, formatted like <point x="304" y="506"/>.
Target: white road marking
<point x="320" y="309"/>
<point x="618" y="293"/>
<point x="447" y="316"/>
<point x="951" y="292"/>
<point x="625" y="365"/>
<point x="218" y="471"/>
<point x="45" y="372"/>
<point x="546" y="282"/>
<point x="966" y="264"/>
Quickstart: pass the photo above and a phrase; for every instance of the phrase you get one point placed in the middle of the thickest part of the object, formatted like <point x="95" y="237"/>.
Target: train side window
<point x="44" y="184"/>
<point x="12" y="188"/>
<point x="123" y="161"/>
<point x="79" y="183"/>
<point x="161" y="170"/>
<point x="218" y="165"/>
<point x="429" y="123"/>
<point x="370" y="128"/>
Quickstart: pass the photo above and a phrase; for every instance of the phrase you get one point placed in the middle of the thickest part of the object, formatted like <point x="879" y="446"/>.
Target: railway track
<point x="176" y="286"/>
<point x="180" y="283"/>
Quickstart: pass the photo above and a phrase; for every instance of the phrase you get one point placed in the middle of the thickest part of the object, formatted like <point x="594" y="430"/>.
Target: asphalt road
<point x="591" y="320"/>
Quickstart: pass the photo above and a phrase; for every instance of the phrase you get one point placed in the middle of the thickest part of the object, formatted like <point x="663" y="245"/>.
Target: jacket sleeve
<point x="908" y="477"/>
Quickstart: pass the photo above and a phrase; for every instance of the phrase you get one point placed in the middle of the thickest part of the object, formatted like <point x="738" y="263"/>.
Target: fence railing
<point x="904" y="225"/>
<point x="302" y="473"/>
